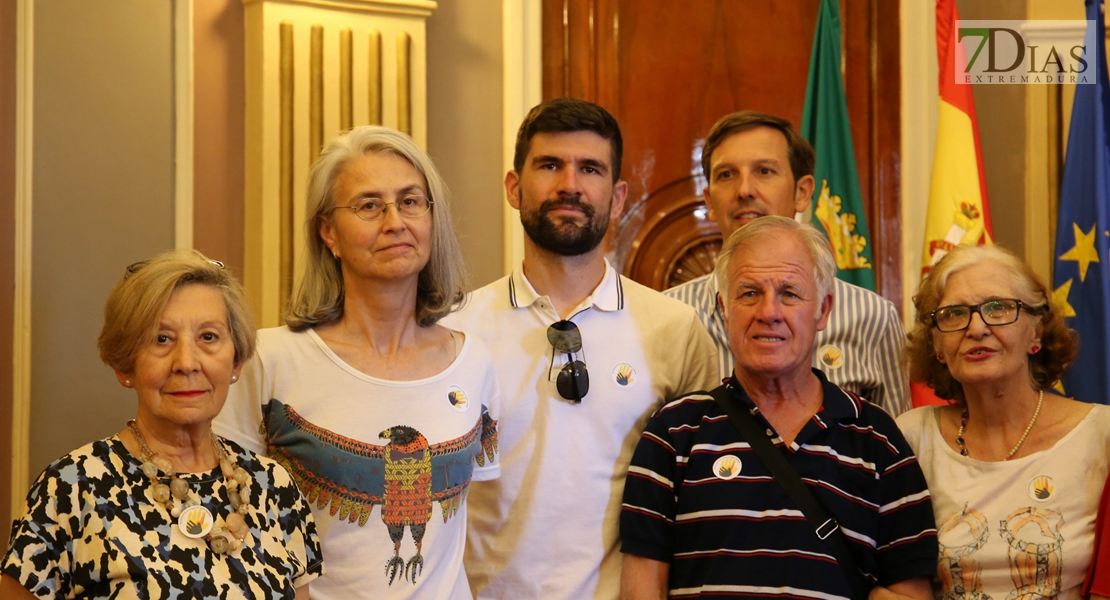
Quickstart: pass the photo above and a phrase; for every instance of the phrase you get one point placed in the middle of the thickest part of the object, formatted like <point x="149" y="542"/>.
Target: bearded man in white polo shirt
<point x="584" y="356"/>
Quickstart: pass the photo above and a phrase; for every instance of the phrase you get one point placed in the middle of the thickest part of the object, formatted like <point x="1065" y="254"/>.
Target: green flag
<point x="837" y="204"/>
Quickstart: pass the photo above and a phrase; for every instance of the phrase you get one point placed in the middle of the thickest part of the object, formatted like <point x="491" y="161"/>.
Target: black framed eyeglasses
<point x="411" y="206"/>
<point x="573" y="381"/>
<point x="1004" y="311"/>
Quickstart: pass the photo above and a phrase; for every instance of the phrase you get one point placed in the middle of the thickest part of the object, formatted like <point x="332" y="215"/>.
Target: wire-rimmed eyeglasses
<point x="1003" y="311"/>
<point x="136" y="267"/>
<point x="573" y="381"/>
<point x="410" y="206"/>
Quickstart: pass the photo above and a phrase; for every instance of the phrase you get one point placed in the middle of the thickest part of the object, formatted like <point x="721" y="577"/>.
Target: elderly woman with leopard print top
<point x="166" y="508"/>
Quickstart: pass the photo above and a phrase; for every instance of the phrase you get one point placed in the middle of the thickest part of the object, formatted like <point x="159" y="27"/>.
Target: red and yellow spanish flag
<point x="958" y="211"/>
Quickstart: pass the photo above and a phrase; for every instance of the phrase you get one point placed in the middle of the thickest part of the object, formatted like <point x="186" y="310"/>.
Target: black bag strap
<point x="825" y="526"/>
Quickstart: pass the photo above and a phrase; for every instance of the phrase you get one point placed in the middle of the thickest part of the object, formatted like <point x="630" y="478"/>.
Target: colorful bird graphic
<point x="405" y="476"/>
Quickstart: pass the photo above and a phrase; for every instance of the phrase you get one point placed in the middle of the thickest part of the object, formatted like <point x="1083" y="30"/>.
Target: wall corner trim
<point x="1054" y="31"/>
<point x="21" y="330"/>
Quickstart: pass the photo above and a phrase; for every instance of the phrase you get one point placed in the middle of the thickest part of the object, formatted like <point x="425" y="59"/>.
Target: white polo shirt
<point x="548" y="528"/>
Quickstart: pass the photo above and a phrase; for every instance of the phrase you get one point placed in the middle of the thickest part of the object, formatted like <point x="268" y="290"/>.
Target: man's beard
<point x="567" y="238"/>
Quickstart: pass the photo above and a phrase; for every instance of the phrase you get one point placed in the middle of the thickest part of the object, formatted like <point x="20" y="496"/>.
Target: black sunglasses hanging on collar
<point x="573" y="381"/>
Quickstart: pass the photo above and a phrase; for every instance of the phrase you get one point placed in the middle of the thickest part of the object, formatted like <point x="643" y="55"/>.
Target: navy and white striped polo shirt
<point x="698" y="497"/>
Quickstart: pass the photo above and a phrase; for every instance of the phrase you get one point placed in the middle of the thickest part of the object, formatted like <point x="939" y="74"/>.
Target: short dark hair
<point x="798" y="150"/>
<point x="565" y="115"/>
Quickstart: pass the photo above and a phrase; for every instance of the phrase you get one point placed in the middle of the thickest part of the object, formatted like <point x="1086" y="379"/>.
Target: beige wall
<point x="1055" y="9"/>
<point x="464" y="125"/>
<point x="1001" y="113"/>
<point x="103" y="198"/>
<point x="7" y="250"/>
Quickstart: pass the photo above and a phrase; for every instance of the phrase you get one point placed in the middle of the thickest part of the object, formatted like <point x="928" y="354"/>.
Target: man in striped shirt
<point x="757" y="165"/>
<point x="703" y="517"/>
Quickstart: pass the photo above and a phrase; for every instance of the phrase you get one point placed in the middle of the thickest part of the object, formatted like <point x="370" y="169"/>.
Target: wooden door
<point x="668" y="69"/>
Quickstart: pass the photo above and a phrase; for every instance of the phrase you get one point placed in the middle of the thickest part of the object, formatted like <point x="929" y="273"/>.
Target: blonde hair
<point x="1059" y="344"/>
<point x="816" y="244"/>
<point x="318" y="298"/>
<point x="136" y="302"/>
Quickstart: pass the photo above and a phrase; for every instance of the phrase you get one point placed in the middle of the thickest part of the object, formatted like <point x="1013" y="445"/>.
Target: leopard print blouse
<point x="90" y="529"/>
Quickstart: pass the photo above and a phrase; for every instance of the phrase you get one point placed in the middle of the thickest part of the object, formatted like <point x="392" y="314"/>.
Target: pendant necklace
<point x="1028" y="428"/>
<point x="193" y="518"/>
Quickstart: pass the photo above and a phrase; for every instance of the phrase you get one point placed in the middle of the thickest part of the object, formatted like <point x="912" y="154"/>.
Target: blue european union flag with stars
<point x="1081" y="282"/>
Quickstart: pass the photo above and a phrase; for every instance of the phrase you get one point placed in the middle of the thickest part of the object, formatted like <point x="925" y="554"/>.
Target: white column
<point x="522" y="27"/>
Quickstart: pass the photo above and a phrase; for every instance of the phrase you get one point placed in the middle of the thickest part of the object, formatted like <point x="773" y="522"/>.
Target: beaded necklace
<point x="193" y="519"/>
<point x="1013" y="451"/>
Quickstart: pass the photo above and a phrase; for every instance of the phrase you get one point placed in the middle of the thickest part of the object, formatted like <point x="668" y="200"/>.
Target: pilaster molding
<point x="183" y="90"/>
<point x="522" y="85"/>
<point x="920" y="99"/>
<point x="414" y="8"/>
<point x="1047" y="108"/>
<point x="21" y="331"/>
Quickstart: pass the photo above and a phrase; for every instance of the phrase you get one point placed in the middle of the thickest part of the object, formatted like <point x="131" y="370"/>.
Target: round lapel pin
<point x="727" y="467"/>
<point x="457" y="397"/>
<point x="1041" y="488"/>
<point x="830" y="357"/>
<point x="195" y="521"/>
<point x="624" y="375"/>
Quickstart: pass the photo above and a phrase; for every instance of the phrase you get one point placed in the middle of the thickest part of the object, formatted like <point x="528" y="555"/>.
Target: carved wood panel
<point x="668" y="70"/>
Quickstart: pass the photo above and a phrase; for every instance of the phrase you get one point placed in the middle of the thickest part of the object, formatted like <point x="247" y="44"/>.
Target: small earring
<point x="127" y="382"/>
<point x="1036" y="348"/>
<point x="234" y="378"/>
<point x="940" y="358"/>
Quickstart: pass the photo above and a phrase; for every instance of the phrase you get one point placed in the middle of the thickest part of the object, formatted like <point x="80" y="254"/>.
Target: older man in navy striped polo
<point x="756" y="165"/>
<point x="702" y="514"/>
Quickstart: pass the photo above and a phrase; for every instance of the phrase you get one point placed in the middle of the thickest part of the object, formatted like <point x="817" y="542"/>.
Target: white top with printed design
<point x="1022" y="528"/>
<point x="381" y="462"/>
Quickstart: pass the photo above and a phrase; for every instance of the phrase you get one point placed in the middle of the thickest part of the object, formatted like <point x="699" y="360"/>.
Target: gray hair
<point x="135" y="304"/>
<point x="318" y="299"/>
<point x="816" y="244"/>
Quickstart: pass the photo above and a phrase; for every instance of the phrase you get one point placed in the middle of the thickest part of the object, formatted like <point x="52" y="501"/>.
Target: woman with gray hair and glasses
<point x="1015" y="469"/>
<point x="165" y="507"/>
<point x="379" y="413"/>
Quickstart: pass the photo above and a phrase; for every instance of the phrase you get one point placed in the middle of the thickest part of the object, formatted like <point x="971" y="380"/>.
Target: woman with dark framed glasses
<point x="1015" y="470"/>
<point x="383" y="416"/>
